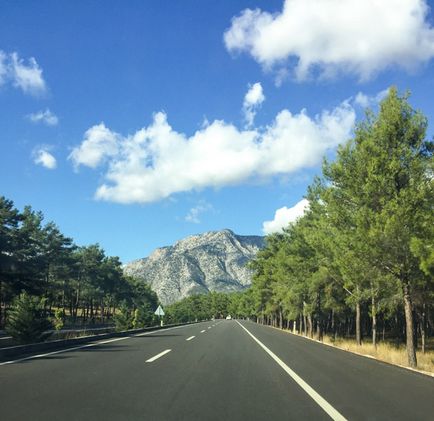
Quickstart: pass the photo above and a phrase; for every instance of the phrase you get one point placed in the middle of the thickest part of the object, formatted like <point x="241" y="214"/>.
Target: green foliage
<point x="143" y="316"/>
<point x="367" y="240"/>
<point x="58" y="319"/>
<point x="201" y="307"/>
<point x="123" y="319"/>
<point x="82" y="281"/>
<point x="27" y="322"/>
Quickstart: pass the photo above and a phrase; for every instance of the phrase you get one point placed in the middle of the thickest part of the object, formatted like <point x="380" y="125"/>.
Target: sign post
<point x="160" y="312"/>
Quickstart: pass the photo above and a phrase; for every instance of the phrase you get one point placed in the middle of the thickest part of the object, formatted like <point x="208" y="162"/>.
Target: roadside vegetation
<point x="357" y="269"/>
<point x="360" y="262"/>
<point x="44" y="274"/>
<point x="200" y="307"/>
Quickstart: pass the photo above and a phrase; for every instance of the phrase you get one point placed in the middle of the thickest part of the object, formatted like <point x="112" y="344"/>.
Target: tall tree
<point x="381" y="182"/>
<point x="9" y="221"/>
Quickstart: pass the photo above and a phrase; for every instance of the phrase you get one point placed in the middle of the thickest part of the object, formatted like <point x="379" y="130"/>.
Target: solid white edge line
<point x="158" y="356"/>
<point x="60" y="351"/>
<point x="332" y="412"/>
<point x="190" y="338"/>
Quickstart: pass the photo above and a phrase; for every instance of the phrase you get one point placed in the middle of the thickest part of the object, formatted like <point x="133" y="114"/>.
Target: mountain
<point x="213" y="261"/>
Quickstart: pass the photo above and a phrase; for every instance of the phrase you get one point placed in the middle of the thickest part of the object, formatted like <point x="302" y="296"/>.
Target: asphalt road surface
<point x="221" y="370"/>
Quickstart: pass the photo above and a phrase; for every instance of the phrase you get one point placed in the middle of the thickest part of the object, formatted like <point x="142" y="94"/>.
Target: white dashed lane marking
<point x="151" y="360"/>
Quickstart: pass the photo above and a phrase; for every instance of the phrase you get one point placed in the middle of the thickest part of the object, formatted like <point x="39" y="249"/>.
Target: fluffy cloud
<point x="330" y="36"/>
<point x="195" y="212"/>
<point x="284" y="216"/>
<point x="158" y="161"/>
<point x="43" y="157"/>
<point x="253" y="99"/>
<point x="46" y="117"/>
<point x="27" y="77"/>
<point x="99" y="144"/>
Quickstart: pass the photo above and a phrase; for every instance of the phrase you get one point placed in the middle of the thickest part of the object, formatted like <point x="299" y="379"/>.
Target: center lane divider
<point x="332" y="412"/>
<point x="190" y="338"/>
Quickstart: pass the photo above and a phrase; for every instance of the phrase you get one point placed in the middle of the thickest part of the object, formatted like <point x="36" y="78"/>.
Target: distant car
<point x="228" y="317"/>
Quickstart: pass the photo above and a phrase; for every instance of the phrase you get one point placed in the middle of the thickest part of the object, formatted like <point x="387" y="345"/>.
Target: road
<point x="220" y="370"/>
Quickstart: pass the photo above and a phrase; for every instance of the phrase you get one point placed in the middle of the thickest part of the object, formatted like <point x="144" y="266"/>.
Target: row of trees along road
<point x="364" y="251"/>
<point x="84" y="284"/>
<point x="361" y="259"/>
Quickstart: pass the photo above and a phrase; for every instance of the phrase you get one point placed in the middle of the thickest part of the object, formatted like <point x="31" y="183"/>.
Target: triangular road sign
<point x="159" y="311"/>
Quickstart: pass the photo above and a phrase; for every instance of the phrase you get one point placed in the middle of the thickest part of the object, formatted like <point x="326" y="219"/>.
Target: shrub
<point x="123" y="319"/>
<point x="26" y="321"/>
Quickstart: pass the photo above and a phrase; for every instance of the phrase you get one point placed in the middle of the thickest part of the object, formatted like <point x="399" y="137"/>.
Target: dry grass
<point x="385" y="351"/>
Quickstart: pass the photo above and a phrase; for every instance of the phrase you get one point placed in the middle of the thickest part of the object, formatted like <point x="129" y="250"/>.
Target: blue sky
<point x="134" y="124"/>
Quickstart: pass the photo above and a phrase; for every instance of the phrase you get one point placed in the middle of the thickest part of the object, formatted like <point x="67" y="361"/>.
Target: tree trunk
<point x="409" y="331"/>
<point x="333" y="325"/>
<point x="358" y="330"/>
<point x="319" y="330"/>
<point x="374" y="321"/>
<point x="102" y="311"/>
<point x="77" y="302"/>
<point x="309" y="326"/>
<point x="280" y="318"/>
<point x="319" y="318"/>
<point x="423" y="328"/>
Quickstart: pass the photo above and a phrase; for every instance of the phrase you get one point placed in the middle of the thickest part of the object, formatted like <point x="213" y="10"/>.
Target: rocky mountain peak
<point x="212" y="261"/>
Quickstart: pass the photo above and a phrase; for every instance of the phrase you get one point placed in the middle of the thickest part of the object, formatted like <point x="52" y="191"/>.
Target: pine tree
<point x="379" y="188"/>
<point x="26" y="320"/>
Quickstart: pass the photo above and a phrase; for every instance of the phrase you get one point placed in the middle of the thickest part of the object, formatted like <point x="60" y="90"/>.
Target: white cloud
<point x="99" y="144"/>
<point x="27" y="77"/>
<point x="352" y="36"/>
<point x="46" y="117"/>
<point x="43" y="157"/>
<point x="158" y="161"/>
<point x="253" y="99"/>
<point x="284" y="216"/>
<point x="366" y="101"/>
<point x="195" y="212"/>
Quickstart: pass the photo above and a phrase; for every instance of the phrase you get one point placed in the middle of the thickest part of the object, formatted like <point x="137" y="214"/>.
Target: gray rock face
<point x="213" y="261"/>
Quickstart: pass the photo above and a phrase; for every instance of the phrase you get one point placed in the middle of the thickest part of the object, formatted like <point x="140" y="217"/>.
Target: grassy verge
<point x="385" y="351"/>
